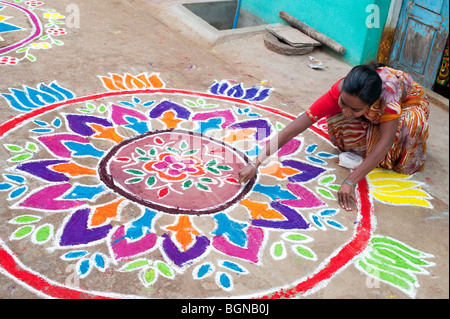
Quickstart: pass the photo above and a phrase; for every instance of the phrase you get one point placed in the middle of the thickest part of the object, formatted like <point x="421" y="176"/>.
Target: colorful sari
<point x="403" y="99"/>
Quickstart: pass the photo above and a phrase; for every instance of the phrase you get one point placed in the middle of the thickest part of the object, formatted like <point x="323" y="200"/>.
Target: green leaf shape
<point x="400" y="258"/>
<point x="183" y="145"/>
<point x="208" y="180"/>
<point x="85" y="111"/>
<point x="278" y="250"/>
<point x="202" y="187"/>
<point x="305" y="252"/>
<point x="395" y="271"/>
<point x="140" y="151"/>
<point x="135" y="264"/>
<point x="134" y="172"/>
<point x="164" y="269"/>
<point x="190" y="103"/>
<point x="14" y="148"/>
<point x="334" y="187"/>
<point x="211" y="163"/>
<point x="151" y="181"/>
<point x="298" y="238"/>
<point x="173" y="150"/>
<point x="102" y="108"/>
<point x="325" y="193"/>
<point x="187" y="184"/>
<point x="385" y="276"/>
<point x="149" y="276"/>
<point x="25" y="219"/>
<point x="402" y="246"/>
<point x="21" y="157"/>
<point x="43" y="234"/>
<point x="22" y="232"/>
<point x="31" y="147"/>
<point x="327" y="179"/>
<point x="133" y="180"/>
<point x="394" y="262"/>
<point x="213" y="170"/>
<point x="224" y="167"/>
<point x="31" y="57"/>
<point x="190" y="152"/>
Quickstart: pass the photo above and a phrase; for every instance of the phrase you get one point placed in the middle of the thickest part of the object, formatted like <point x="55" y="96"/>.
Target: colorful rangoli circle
<point x="105" y="187"/>
<point x="175" y="171"/>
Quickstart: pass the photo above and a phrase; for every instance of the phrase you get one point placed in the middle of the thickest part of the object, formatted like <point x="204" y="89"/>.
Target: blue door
<point x="420" y="39"/>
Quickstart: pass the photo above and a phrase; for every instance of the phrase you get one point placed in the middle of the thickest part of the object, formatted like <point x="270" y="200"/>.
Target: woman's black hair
<point x="364" y="82"/>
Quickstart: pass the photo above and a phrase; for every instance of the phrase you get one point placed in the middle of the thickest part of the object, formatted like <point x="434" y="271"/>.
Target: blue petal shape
<point x="335" y="224"/>
<point x="274" y="192"/>
<point x="100" y="262"/>
<point x="15" y="178"/>
<point x="56" y="122"/>
<point x="326" y="155"/>
<point x="225" y="281"/>
<point x="136" y="100"/>
<point x="311" y="148"/>
<point x="264" y="94"/>
<point x="236" y="91"/>
<point x="75" y="254"/>
<point x="233" y="230"/>
<point x="42" y="130"/>
<point x="316" y="160"/>
<point x="223" y="88"/>
<point x="149" y="103"/>
<point x="79" y="149"/>
<point x="316" y="221"/>
<point x="251" y="93"/>
<point x="137" y="125"/>
<point x="5" y="186"/>
<point x="85" y="192"/>
<point x="233" y="266"/>
<point x="84" y="267"/>
<point x="214" y="88"/>
<point x="328" y="212"/>
<point x="127" y="103"/>
<point x="40" y="123"/>
<point x="39" y="97"/>
<point x="141" y="226"/>
<point x="204" y="270"/>
<point x="17" y="192"/>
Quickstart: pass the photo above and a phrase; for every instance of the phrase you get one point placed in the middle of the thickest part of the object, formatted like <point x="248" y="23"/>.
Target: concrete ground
<point x="144" y="36"/>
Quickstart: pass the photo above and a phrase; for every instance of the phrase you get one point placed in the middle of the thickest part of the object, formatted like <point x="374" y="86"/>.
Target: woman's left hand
<point x="346" y="195"/>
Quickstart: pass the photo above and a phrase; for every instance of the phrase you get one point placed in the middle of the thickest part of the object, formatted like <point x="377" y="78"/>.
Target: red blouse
<point x="327" y="105"/>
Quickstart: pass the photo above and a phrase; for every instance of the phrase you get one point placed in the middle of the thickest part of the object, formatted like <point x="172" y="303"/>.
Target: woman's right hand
<point x="247" y="173"/>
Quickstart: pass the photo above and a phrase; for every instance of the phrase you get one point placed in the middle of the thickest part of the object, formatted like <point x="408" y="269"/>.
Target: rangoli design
<point x="26" y="27"/>
<point x="139" y="184"/>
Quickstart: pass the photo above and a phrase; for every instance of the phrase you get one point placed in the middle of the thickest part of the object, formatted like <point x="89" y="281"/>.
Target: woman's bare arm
<point x="294" y="128"/>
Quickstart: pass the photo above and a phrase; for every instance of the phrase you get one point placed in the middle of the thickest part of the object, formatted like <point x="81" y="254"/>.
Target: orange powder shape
<point x="261" y="210"/>
<point x="277" y="171"/>
<point x="108" y="133"/>
<point x="105" y="212"/>
<point x="73" y="169"/>
<point x="184" y="231"/>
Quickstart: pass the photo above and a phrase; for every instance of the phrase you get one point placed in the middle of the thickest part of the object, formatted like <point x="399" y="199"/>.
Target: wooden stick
<point x="313" y="33"/>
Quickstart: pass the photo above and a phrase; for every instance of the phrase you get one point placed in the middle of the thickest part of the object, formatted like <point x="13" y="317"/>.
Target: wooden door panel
<point x="420" y="39"/>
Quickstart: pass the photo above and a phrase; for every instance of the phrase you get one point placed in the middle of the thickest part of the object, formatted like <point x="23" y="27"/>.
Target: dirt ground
<point x="137" y="36"/>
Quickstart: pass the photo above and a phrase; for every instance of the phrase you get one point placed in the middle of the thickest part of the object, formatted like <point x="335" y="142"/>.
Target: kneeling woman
<point x="376" y="112"/>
